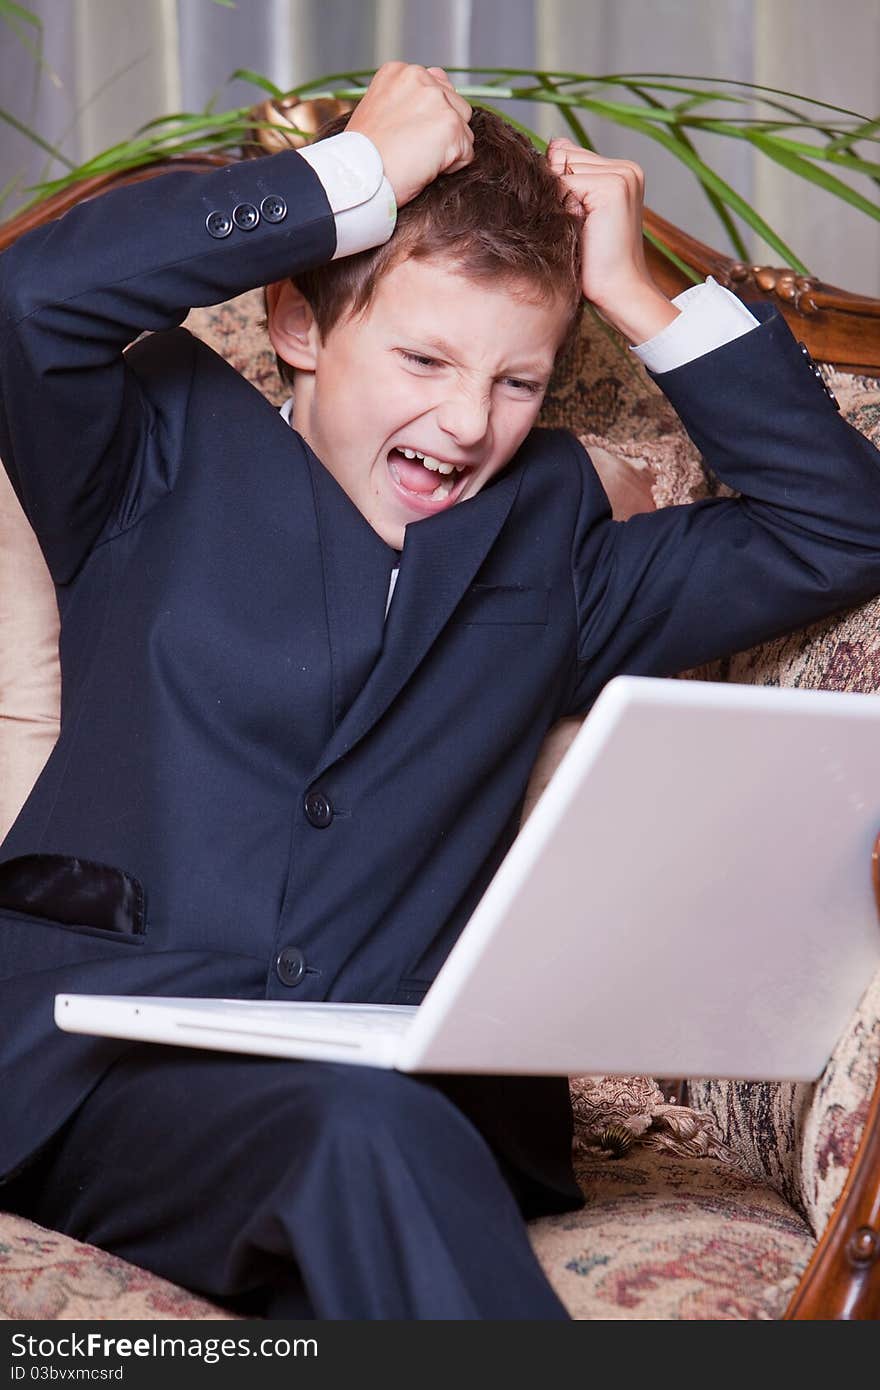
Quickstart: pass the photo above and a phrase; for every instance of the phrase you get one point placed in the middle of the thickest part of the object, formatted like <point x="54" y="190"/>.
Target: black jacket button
<point x="290" y="966"/>
<point x="273" y="207"/>
<point x="245" y="216"/>
<point x="219" y="224"/>
<point x="319" y="811"/>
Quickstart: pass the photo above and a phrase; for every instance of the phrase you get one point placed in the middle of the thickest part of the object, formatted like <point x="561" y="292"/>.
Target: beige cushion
<point x="30" y="683"/>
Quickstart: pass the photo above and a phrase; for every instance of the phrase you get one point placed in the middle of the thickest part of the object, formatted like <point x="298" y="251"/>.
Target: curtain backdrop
<point x="114" y="64"/>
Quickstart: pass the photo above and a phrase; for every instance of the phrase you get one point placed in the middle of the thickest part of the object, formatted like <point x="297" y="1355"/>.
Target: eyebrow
<point x="445" y="350"/>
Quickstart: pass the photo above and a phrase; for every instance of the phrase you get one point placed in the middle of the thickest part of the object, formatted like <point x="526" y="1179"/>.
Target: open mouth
<point x="426" y="479"/>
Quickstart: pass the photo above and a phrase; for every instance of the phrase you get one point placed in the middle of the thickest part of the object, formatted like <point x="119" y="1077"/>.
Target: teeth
<point x="435" y="465"/>
<point x="441" y="492"/>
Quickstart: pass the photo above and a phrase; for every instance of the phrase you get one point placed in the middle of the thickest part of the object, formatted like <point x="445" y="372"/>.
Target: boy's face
<point x="437" y="365"/>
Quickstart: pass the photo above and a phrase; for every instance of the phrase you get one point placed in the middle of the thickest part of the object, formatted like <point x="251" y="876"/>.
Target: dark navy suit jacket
<point x="311" y="800"/>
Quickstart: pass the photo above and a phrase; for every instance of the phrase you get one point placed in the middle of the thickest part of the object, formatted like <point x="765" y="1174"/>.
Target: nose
<point x="464" y="414"/>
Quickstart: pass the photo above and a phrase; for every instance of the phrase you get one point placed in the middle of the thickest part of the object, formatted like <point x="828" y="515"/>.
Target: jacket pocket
<point x="75" y="893"/>
<point x="504" y="603"/>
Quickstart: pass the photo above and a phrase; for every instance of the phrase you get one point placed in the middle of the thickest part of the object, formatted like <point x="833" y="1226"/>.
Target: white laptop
<point x="691" y="896"/>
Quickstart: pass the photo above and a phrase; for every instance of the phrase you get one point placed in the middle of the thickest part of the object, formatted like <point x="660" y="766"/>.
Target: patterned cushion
<point x="601" y="385"/>
<point x="46" y="1275"/>
<point x="235" y="330"/>
<point x="663" y="1237"/>
<point x="802" y="1138"/>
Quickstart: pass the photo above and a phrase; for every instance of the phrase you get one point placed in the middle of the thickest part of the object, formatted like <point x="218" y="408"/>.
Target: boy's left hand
<point x="608" y="195"/>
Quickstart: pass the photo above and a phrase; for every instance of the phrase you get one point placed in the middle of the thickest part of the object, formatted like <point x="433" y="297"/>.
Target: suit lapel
<point x="357" y="572"/>
<point x="440" y="557"/>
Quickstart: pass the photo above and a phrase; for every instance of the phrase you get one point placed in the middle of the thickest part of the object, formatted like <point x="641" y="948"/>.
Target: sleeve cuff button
<point x="219" y="224"/>
<point x="273" y="208"/>
<point x="245" y="216"/>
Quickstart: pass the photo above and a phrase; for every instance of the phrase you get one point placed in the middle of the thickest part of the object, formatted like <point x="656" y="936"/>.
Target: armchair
<point x="705" y="1199"/>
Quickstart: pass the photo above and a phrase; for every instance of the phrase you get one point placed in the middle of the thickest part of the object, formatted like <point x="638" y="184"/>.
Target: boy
<point x="276" y="778"/>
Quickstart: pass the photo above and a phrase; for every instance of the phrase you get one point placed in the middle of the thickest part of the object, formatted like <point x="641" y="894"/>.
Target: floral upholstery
<point x="47" y="1275"/>
<point x="665" y="1237"/>
<point x="801" y="1139"/>
<point x="702" y="1212"/>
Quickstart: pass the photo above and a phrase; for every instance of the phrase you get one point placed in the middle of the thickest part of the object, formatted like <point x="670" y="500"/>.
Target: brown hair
<point x="500" y="219"/>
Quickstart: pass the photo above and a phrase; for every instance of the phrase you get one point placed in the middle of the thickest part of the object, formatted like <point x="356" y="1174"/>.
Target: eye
<point x="531" y="388"/>
<point x="418" y="359"/>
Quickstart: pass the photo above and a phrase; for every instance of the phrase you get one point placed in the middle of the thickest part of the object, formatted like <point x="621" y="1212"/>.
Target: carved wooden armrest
<point x="837" y="327"/>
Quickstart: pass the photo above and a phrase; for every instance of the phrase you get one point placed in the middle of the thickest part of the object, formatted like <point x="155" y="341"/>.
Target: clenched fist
<point x="608" y="194"/>
<point x="418" y="123"/>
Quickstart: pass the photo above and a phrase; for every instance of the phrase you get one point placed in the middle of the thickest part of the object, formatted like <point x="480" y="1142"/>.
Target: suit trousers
<point x="301" y="1189"/>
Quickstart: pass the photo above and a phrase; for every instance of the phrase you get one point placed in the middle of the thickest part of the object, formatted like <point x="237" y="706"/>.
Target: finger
<point x="457" y="102"/>
<point x="556" y="152"/>
<point x="600" y="189"/>
<point x="558" y="148"/>
<point x="466" y="155"/>
<point x="625" y="175"/>
<point x="579" y="160"/>
<point x="588" y="159"/>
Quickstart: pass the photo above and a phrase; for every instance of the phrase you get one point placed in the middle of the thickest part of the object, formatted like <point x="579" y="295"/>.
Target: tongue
<point x="414" y="475"/>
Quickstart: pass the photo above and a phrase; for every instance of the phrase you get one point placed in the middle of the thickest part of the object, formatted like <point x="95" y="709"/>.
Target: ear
<point x="293" y="331"/>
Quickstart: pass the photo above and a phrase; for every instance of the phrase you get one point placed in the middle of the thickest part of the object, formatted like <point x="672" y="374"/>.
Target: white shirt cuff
<point x="361" y="198"/>
<point x="710" y="317"/>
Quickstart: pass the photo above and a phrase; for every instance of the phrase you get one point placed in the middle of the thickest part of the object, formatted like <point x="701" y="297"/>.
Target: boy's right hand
<point x="418" y="123"/>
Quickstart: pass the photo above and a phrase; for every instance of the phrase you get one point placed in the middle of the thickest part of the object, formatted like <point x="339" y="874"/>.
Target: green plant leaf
<point x="800" y="147"/>
<point x="715" y="202"/>
<point x="10" y="11"/>
<point x="863" y="132"/>
<point x="820" y="177"/>
<point x="710" y="179"/>
<point x="245" y="75"/>
<point x="9" y="119"/>
<point x="14" y="16"/>
<point x="571" y="120"/>
<point x="191" y="121"/>
<point x="734" y="82"/>
<point x="670" y="255"/>
<point x="9" y="187"/>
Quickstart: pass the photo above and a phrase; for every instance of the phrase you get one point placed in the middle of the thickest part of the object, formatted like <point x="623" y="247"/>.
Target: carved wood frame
<point x="842" y="1279"/>
<point x="840" y="328"/>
